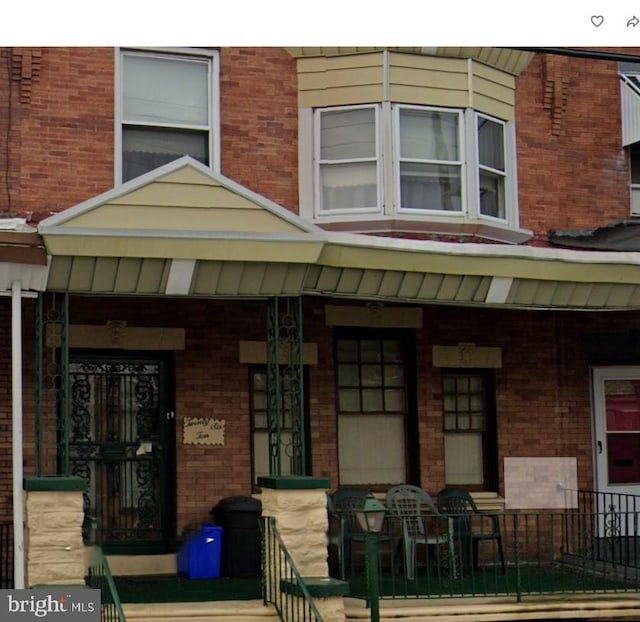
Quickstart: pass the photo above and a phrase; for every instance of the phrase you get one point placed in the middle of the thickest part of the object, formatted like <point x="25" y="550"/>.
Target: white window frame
<point x="318" y="210"/>
<point x="212" y="57"/>
<point x="396" y="109"/>
<point x="387" y="135"/>
<point x="475" y="155"/>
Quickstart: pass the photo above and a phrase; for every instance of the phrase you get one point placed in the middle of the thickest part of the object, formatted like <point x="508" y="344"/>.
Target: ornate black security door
<point x="121" y="441"/>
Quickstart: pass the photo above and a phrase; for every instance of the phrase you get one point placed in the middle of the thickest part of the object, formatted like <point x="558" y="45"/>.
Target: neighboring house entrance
<point x="122" y="440"/>
<point x="616" y="407"/>
<point x="616" y="395"/>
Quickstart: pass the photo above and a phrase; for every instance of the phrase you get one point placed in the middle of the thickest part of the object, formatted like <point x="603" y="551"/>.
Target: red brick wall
<point x="260" y="121"/>
<point x="572" y="170"/>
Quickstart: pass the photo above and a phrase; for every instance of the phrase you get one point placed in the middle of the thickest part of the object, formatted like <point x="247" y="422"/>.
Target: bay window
<point x="418" y="163"/>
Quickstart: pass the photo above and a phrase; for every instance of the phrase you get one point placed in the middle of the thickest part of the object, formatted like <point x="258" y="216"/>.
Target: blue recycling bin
<point x="199" y="557"/>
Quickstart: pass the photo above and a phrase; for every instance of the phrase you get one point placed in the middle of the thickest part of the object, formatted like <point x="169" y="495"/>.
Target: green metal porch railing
<point x="545" y="553"/>
<point x="284" y="588"/>
<point x="100" y="578"/>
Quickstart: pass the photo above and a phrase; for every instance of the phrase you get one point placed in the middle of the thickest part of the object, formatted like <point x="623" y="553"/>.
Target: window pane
<point x="347" y="350"/>
<point x="260" y="401"/>
<point x="349" y="400"/>
<point x="144" y="149"/>
<point x="348" y="134"/>
<point x="371" y="376"/>
<point x="349" y="186"/>
<point x="429" y="135"/>
<point x="372" y="400"/>
<point x="394" y="400"/>
<point x="394" y="375"/>
<point x="165" y="90"/>
<point x="490" y="144"/>
<point x="392" y="351"/>
<point x="370" y="350"/>
<point x="430" y="186"/>
<point x="492" y="194"/>
<point x="348" y="375"/>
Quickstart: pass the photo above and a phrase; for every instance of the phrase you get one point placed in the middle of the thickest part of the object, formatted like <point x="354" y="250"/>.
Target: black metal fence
<point x="559" y="552"/>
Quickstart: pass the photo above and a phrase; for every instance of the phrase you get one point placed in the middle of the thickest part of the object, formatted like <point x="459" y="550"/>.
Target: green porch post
<point x="285" y="387"/>
<point x="52" y="376"/>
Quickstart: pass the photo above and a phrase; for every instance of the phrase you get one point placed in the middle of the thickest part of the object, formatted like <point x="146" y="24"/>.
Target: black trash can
<point x="239" y="518"/>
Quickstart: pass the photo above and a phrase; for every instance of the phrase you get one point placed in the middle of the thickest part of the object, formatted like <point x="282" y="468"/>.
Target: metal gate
<point x="122" y="442"/>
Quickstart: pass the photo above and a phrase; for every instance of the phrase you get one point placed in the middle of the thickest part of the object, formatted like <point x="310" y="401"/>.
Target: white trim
<point x="581" y="257"/>
<point x="306" y="162"/>
<point x="17" y="437"/>
<point x="499" y="290"/>
<point x="180" y="277"/>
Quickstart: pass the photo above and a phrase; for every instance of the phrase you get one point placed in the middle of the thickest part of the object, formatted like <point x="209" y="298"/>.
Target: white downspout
<point x="16" y="379"/>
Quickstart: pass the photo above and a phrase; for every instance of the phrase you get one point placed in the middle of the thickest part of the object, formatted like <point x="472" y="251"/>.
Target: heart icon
<point x="597" y="20"/>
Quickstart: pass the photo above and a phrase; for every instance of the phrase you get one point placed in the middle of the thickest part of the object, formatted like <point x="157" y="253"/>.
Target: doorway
<point x="122" y="441"/>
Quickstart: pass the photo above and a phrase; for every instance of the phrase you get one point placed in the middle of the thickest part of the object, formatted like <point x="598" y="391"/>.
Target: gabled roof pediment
<point x="183" y="200"/>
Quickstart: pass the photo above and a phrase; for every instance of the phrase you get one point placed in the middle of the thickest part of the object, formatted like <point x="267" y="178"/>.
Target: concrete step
<point x="135" y="565"/>
<point x="234" y="611"/>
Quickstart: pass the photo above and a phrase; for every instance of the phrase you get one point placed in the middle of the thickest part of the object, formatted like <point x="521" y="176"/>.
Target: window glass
<point x="163" y="90"/>
<point x="429" y="135"/>
<point x="430" y="167"/>
<point x="348" y="134"/>
<point x="144" y="149"/>
<point x="166" y="110"/>
<point x="348" y="159"/>
<point x="491" y="158"/>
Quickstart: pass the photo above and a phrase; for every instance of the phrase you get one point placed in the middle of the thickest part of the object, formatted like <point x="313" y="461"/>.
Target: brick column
<point x="54" y="512"/>
<point x="299" y="505"/>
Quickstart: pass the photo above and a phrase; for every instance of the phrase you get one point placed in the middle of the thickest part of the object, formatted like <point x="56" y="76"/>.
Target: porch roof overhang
<point x="23" y="257"/>
<point x="184" y="230"/>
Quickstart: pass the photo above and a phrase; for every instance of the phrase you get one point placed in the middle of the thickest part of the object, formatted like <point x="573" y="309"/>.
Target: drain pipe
<point x="16" y="379"/>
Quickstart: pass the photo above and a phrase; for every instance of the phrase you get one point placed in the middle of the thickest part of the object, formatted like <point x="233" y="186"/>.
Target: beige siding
<point x="493" y="92"/>
<point x="340" y="80"/>
<point x="411" y="79"/>
<point x="509" y="60"/>
<point x="183" y="219"/>
<point x="428" y="80"/>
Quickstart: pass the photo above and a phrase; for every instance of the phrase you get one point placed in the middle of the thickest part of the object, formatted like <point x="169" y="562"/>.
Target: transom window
<point x="167" y="109"/>
<point x="419" y="161"/>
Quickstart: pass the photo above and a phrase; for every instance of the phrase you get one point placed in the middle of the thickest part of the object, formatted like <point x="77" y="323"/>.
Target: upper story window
<point x="416" y="161"/>
<point x="168" y="109"/>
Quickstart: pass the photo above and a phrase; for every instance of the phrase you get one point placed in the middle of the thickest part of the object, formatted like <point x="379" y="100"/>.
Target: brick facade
<point x="572" y="173"/>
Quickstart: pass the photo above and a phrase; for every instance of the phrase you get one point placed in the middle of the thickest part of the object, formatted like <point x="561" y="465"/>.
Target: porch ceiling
<point x="184" y="230"/>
